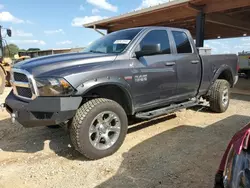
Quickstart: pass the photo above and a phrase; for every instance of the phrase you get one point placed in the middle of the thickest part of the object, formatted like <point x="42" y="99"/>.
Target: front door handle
<point x="170" y="63"/>
<point x="195" y="61"/>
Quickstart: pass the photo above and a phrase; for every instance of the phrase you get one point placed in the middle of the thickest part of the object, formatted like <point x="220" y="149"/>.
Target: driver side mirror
<point x="9" y="33"/>
<point x="148" y="49"/>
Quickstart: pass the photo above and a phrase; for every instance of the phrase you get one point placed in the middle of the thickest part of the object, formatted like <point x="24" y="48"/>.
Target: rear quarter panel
<point x="213" y="66"/>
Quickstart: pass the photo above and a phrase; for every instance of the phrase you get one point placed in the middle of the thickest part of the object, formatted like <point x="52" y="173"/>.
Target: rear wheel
<point x="99" y="128"/>
<point x="2" y="81"/>
<point x="219" y="96"/>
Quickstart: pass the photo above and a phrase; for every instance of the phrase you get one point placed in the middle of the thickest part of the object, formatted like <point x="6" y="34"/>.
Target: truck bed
<point x="211" y="65"/>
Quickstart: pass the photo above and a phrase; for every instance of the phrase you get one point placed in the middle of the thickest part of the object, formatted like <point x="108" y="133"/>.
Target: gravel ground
<point x="179" y="150"/>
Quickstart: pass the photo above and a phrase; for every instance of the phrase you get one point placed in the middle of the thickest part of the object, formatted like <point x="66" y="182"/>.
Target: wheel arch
<point x="225" y="73"/>
<point x="113" y="90"/>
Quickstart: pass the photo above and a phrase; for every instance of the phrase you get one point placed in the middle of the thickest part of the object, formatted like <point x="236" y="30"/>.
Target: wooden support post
<point x="200" y="29"/>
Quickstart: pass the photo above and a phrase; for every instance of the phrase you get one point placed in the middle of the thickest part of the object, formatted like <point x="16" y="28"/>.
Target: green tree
<point x="33" y="49"/>
<point x="10" y="50"/>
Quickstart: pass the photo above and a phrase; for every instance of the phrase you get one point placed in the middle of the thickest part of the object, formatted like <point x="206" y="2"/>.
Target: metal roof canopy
<point x="216" y="18"/>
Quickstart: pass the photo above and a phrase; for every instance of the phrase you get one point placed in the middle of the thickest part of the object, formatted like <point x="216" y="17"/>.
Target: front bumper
<point x="42" y="111"/>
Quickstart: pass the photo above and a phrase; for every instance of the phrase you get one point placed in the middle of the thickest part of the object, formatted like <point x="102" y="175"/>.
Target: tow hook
<point x="2" y="107"/>
<point x="13" y="117"/>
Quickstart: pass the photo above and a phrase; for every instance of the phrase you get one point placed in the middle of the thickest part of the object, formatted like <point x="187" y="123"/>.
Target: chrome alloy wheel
<point x="104" y="130"/>
<point x="225" y="97"/>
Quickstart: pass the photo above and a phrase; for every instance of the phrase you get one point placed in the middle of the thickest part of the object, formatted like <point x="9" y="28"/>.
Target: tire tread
<point x="81" y="114"/>
<point x="214" y="97"/>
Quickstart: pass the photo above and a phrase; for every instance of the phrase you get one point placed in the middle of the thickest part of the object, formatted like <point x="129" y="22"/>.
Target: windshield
<point x="113" y="43"/>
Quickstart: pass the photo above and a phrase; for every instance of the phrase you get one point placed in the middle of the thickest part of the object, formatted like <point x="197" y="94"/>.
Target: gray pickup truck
<point x="142" y="72"/>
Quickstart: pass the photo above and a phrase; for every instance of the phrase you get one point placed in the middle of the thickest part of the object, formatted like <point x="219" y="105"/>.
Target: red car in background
<point x="234" y="170"/>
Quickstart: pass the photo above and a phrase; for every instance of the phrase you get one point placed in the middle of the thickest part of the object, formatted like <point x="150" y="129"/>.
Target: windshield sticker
<point x="122" y="41"/>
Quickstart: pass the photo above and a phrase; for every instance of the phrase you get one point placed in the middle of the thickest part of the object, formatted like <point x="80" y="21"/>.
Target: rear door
<point x="188" y="65"/>
<point x="154" y="75"/>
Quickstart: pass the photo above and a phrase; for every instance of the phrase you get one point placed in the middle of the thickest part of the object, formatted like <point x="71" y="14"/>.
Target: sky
<point x="51" y="24"/>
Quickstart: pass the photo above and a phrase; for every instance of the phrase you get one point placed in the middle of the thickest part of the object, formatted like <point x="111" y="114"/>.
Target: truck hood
<point x="50" y="65"/>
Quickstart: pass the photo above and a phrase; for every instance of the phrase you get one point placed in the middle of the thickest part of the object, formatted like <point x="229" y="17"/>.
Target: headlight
<point x="53" y="87"/>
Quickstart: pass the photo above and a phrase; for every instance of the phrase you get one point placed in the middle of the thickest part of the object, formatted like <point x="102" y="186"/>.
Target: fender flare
<point x="88" y="85"/>
<point x="223" y="68"/>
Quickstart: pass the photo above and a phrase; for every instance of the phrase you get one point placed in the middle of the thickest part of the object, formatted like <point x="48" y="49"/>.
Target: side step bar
<point x="166" y="110"/>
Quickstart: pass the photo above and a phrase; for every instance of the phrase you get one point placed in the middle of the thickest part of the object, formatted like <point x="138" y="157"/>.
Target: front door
<point x="154" y="75"/>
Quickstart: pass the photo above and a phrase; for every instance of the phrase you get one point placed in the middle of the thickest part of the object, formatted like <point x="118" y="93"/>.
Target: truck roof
<point x="156" y="27"/>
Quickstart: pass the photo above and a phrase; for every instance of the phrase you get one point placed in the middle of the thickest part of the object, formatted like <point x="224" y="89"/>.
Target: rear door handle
<point x="172" y="63"/>
<point x="195" y="61"/>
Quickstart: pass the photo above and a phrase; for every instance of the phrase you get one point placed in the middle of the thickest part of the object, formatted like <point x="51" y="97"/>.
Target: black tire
<point x="85" y="115"/>
<point x="2" y="81"/>
<point x="216" y="96"/>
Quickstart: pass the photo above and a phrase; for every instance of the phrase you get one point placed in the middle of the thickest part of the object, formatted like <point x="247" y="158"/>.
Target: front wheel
<point x="99" y="128"/>
<point x="219" y="96"/>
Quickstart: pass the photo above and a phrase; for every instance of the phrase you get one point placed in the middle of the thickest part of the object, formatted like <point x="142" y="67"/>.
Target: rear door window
<point x="182" y="42"/>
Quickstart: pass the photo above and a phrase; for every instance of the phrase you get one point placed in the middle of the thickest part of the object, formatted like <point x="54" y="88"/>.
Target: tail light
<point x="238" y="67"/>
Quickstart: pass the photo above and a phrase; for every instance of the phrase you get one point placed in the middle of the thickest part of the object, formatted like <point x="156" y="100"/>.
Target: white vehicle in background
<point x="244" y="63"/>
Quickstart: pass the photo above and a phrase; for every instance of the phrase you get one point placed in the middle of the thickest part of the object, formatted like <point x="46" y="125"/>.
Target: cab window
<point x="183" y="45"/>
<point x="157" y="37"/>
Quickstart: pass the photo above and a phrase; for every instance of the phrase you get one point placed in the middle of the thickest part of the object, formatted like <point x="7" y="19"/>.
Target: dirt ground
<point x="182" y="150"/>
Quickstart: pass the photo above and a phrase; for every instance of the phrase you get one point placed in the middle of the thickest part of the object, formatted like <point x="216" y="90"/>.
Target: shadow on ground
<point x="242" y="90"/>
<point x="241" y="97"/>
<point x="32" y="140"/>
<point x="185" y="156"/>
<point x="243" y="84"/>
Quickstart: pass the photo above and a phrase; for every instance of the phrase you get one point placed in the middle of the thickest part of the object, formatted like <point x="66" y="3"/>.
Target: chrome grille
<point x="24" y="85"/>
<point x="20" y="77"/>
<point x="25" y="92"/>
